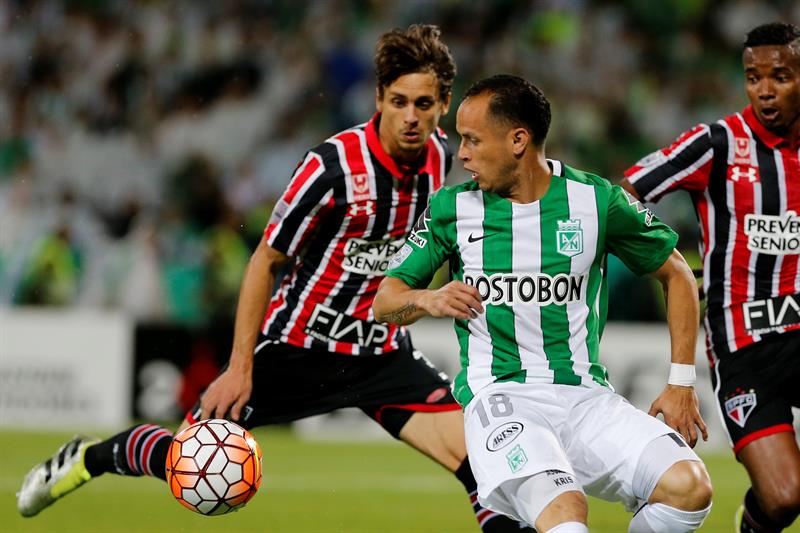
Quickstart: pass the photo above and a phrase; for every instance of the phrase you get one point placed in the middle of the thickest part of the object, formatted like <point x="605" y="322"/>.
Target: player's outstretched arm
<point x="231" y="390"/>
<point x="398" y="303"/>
<point x="678" y="402"/>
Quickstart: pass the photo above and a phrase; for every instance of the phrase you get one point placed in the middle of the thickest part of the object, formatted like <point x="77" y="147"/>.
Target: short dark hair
<point x="772" y="34"/>
<point x="517" y="102"/>
<point x="417" y="49"/>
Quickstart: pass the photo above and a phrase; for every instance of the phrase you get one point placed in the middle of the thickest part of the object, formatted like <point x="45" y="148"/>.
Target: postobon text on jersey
<point x="541" y="289"/>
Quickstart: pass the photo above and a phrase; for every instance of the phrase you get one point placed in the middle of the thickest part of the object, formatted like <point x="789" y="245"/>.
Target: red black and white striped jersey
<point x="745" y="184"/>
<point x="348" y="208"/>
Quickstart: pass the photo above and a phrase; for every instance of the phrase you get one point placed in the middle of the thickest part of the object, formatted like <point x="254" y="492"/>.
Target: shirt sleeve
<point x="297" y="214"/>
<point x="425" y="250"/>
<point x="636" y="235"/>
<point x="685" y="164"/>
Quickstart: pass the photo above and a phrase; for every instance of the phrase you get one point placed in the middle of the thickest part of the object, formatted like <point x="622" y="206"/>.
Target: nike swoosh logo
<point x="478" y="238"/>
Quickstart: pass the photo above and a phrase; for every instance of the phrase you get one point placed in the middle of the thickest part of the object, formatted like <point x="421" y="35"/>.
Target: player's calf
<point x="138" y="451"/>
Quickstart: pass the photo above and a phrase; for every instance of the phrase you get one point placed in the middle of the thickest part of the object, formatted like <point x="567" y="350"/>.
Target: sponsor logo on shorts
<point x="436" y="395"/>
<point x="503" y="436"/>
<point x="560" y="478"/>
<point x="739" y="407"/>
<point x="516" y="458"/>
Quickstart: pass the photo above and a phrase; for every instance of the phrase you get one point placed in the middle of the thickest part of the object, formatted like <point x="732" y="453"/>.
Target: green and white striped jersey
<point x="540" y="271"/>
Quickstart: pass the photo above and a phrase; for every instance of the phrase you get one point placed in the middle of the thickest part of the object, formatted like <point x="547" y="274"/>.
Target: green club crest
<point x="569" y="237"/>
<point x="516" y="458"/>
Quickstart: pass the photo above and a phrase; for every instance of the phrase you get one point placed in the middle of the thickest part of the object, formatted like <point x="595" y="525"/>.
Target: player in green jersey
<point x="526" y="242"/>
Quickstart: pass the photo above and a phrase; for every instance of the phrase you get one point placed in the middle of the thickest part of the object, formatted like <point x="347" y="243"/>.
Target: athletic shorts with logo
<point x="518" y="430"/>
<point x="756" y="388"/>
<point x="290" y="383"/>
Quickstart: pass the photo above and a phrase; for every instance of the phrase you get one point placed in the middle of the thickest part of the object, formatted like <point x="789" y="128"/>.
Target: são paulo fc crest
<point x="739" y="407"/>
<point x="569" y="237"/>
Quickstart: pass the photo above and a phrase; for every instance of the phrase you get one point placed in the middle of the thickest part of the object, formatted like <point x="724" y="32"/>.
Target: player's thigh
<point x="511" y="435"/>
<point x="756" y="388"/>
<point x="439" y="435"/>
<point x="609" y="440"/>
<point x="290" y="383"/>
<point x="404" y="385"/>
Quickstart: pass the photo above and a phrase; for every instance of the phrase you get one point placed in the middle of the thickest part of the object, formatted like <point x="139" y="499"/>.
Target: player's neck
<point x="534" y="179"/>
<point x="790" y="133"/>
<point x="793" y="134"/>
<point x="403" y="158"/>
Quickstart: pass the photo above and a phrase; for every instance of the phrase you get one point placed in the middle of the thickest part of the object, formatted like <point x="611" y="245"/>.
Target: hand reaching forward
<point x="681" y="411"/>
<point x="230" y="391"/>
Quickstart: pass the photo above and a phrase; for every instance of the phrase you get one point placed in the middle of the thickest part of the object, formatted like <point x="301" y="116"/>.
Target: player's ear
<point x="379" y="99"/>
<point x="446" y="103"/>
<point x="520" y="139"/>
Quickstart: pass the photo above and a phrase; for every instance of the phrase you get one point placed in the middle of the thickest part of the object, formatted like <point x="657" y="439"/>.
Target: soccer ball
<point x="214" y="467"/>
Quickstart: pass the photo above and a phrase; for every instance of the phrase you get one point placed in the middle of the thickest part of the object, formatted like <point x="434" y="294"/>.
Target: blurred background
<point x="143" y="144"/>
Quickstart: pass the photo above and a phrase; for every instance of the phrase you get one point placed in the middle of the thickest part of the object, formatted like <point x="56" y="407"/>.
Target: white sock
<point x="569" y="527"/>
<point x="660" y="518"/>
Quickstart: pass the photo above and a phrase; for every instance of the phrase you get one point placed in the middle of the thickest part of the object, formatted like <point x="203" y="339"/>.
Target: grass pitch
<point x="307" y="487"/>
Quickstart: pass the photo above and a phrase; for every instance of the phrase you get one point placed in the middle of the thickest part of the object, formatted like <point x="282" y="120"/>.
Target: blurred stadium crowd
<point x="142" y="143"/>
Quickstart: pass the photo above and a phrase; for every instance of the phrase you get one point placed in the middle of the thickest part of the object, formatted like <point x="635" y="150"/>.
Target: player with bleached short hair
<point x="526" y="240"/>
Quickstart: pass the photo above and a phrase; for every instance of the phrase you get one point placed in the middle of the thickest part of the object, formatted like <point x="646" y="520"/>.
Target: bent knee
<point x="686" y="485"/>
<point x="784" y="505"/>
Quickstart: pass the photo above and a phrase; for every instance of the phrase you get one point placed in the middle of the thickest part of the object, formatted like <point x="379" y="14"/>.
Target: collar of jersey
<point x="374" y="144"/>
<point x="769" y="138"/>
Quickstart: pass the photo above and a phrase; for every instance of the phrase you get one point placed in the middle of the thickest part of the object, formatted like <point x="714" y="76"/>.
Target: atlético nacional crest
<point x="569" y="237"/>
<point x="739" y="407"/>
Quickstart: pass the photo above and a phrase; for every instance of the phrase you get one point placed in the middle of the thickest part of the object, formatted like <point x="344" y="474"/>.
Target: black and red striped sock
<point x="138" y="451"/>
<point x="489" y="521"/>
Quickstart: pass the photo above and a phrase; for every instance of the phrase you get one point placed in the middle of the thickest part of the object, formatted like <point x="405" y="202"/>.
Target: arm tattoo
<point x="399" y="316"/>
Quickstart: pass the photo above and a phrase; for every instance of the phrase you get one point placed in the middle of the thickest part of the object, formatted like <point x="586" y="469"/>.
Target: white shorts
<point x="516" y="430"/>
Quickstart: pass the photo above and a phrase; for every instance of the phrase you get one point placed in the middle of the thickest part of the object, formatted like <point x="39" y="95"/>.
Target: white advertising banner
<point x="64" y="369"/>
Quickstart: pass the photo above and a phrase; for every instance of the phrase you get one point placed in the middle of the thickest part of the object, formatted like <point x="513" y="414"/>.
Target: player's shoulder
<point x="734" y="118"/>
<point x="442" y="202"/>
<point x="330" y="151"/>
<point x="449" y="192"/>
<point x="581" y="176"/>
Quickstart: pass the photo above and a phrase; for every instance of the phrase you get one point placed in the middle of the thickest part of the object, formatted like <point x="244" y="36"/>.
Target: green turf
<point x="308" y="487"/>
